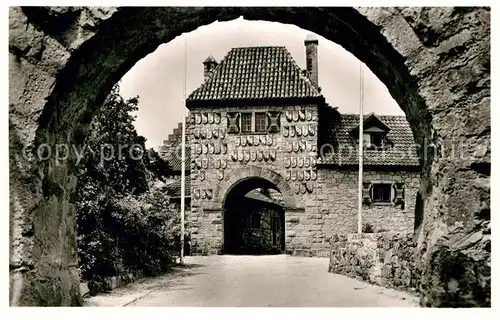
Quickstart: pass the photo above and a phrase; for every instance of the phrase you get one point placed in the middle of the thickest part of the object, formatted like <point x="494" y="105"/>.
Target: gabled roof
<point x="371" y="123"/>
<point x="255" y="73"/>
<point x="373" y="130"/>
<point x="337" y="133"/>
<point x="210" y="58"/>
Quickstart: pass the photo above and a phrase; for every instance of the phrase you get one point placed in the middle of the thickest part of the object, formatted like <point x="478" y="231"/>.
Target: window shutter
<point x="274" y="121"/>
<point x="398" y="193"/>
<point x="366" y="193"/>
<point x="233" y="122"/>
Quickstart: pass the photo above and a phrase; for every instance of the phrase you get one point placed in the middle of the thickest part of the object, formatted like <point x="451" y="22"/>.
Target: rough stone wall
<point x="328" y="197"/>
<point x="107" y="284"/>
<point x="206" y="230"/>
<point x="384" y="259"/>
<point x="337" y="196"/>
<point x="42" y="216"/>
<point x="447" y="53"/>
<point x="435" y="62"/>
<point x="333" y="209"/>
<point x="215" y="158"/>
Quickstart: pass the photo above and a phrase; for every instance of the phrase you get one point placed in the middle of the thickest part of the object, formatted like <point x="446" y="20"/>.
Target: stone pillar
<point x="207" y="235"/>
<point x="294" y="243"/>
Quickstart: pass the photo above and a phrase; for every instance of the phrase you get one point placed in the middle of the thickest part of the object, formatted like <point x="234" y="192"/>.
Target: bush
<point x="132" y="233"/>
<point x="367" y="228"/>
<point x="124" y="224"/>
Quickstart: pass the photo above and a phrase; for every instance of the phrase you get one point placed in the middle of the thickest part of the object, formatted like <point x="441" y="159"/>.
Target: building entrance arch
<point x="254" y="218"/>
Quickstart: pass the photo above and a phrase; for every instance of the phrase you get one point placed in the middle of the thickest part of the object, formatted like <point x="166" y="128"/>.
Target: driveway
<point x="254" y="281"/>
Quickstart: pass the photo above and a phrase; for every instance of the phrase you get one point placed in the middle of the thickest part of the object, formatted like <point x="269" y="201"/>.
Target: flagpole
<point x="360" y="153"/>
<point x="183" y="157"/>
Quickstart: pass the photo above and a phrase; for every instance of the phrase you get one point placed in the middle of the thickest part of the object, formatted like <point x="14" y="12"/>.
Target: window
<point x="246" y="122"/>
<point x="260" y="122"/>
<point x="381" y="192"/>
<point x="253" y="122"/>
<point x="374" y="141"/>
<point x="377" y="140"/>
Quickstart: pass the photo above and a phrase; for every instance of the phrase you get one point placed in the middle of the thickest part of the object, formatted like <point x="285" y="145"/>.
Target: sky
<point x="175" y="69"/>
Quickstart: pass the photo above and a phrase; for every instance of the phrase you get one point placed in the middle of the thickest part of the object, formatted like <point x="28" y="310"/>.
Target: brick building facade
<point x="262" y="138"/>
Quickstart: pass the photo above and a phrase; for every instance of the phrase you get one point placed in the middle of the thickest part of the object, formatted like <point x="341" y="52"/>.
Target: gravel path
<point x="254" y="281"/>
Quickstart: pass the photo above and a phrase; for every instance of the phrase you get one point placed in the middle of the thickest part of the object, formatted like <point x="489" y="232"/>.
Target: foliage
<point x="367" y="228"/>
<point x="123" y="223"/>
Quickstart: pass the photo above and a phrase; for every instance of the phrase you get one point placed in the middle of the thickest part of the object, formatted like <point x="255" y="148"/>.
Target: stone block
<point x="84" y="289"/>
<point x="388" y="256"/>
<point x="387" y="271"/>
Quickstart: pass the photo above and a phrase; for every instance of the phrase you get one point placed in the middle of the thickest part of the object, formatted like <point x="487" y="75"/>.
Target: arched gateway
<point x="269" y="178"/>
<point x="253" y="203"/>
<point x="63" y="62"/>
<point x="254" y="218"/>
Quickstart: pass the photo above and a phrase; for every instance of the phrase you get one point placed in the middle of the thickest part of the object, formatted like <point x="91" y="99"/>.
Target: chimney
<point x="209" y="65"/>
<point x="311" y="44"/>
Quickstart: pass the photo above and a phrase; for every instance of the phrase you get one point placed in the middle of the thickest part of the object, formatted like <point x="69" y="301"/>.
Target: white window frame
<point x="254" y="117"/>
<point x="252" y="125"/>
<point x="252" y="122"/>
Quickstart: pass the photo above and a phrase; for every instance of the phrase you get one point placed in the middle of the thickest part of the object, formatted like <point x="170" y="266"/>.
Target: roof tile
<point x="336" y="133"/>
<point x="175" y="160"/>
<point x="173" y="189"/>
<point x="256" y="73"/>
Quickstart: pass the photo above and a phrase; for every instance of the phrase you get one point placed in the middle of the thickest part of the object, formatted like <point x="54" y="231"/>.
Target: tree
<point x="114" y="147"/>
<point x="118" y="217"/>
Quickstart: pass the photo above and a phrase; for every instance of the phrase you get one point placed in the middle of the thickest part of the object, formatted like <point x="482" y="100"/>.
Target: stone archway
<point x="248" y="178"/>
<point x="254" y="217"/>
<point x="254" y="172"/>
<point x="435" y="62"/>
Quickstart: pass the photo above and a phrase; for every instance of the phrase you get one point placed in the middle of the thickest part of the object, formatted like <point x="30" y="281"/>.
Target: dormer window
<point x="377" y="140"/>
<point x="374" y="141"/>
<point x="367" y="140"/>
<point x="374" y="134"/>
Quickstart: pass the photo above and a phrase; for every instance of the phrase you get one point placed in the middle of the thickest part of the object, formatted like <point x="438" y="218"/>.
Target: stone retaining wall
<point x="108" y="283"/>
<point x="384" y="259"/>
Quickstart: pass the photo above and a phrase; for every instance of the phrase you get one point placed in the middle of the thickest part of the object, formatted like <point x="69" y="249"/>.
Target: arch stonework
<point x="207" y="233"/>
<point x="250" y="172"/>
<point x="435" y="63"/>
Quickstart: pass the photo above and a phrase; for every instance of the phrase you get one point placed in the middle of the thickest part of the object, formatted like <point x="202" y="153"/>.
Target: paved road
<point x="255" y="281"/>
